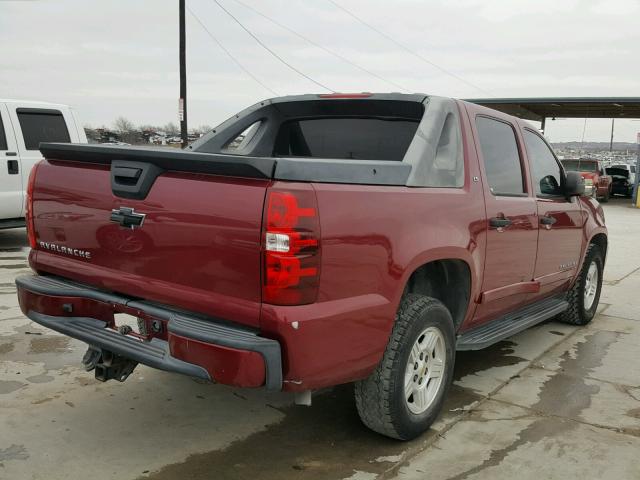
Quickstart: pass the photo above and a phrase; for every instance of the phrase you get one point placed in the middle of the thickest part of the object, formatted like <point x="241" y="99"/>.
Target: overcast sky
<point x="117" y="57"/>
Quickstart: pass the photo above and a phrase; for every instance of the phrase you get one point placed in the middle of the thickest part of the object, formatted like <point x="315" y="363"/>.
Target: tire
<point x="380" y="398"/>
<point x="577" y="313"/>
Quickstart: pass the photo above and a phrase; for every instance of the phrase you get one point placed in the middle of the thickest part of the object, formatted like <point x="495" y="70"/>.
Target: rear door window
<point x="346" y="138"/>
<point x="3" y="136"/>
<point x="501" y="156"/>
<point x="42" y="125"/>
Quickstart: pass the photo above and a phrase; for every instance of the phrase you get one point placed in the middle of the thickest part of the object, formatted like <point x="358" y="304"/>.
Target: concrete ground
<point x="553" y="402"/>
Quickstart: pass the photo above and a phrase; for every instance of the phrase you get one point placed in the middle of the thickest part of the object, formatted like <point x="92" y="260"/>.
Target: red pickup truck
<point x="597" y="183"/>
<point x="311" y="241"/>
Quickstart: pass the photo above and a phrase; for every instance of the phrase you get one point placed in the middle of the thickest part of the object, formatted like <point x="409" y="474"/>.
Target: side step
<point x="510" y="324"/>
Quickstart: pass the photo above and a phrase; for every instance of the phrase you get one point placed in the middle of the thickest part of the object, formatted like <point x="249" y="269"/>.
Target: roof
<point x="31" y="102"/>
<point x="565" y="107"/>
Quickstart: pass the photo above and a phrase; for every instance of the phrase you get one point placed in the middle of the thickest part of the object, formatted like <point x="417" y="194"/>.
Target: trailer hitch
<point x="107" y="365"/>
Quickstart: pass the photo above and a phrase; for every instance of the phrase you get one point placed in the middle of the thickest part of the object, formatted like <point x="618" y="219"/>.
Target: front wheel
<point x="584" y="296"/>
<point x="405" y="393"/>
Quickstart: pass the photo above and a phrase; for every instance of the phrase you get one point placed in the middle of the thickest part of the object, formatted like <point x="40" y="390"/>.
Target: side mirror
<point x="573" y="184"/>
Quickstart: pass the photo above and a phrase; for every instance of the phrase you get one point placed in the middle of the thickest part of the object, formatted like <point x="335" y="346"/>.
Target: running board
<point x="510" y="324"/>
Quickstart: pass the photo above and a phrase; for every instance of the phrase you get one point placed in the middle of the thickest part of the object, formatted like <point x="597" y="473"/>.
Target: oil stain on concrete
<point x="498" y="355"/>
<point x="14" y="452"/>
<point x="9" y="386"/>
<point x="55" y="352"/>
<point x="326" y="440"/>
<point x="49" y="344"/>
<point x="42" y="378"/>
<point x="562" y="395"/>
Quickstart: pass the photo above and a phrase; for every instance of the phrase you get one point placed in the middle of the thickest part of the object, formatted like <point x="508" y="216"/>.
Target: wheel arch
<point x="602" y="241"/>
<point x="446" y="279"/>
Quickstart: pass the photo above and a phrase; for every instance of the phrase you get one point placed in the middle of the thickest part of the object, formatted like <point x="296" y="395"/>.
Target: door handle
<point x="12" y="167"/>
<point x="11" y="154"/>
<point x="497" y="222"/>
<point x="547" y="220"/>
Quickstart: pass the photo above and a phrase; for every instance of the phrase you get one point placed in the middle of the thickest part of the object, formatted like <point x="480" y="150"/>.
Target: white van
<point x="23" y="125"/>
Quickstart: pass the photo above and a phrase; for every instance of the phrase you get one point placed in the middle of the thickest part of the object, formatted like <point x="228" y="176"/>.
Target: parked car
<point x="597" y="182"/>
<point x="345" y="238"/>
<point x="623" y="179"/>
<point x="23" y="125"/>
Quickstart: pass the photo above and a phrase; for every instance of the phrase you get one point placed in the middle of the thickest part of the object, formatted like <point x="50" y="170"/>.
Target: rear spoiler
<point x="170" y="159"/>
<point x="360" y="172"/>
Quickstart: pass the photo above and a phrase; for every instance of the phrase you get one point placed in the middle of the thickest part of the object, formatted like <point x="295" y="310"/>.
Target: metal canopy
<point x="568" y="107"/>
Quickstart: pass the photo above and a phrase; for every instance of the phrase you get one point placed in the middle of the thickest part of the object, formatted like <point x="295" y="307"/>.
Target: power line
<point x="262" y="44"/>
<point x="231" y="56"/>
<point x="408" y="50"/>
<point x="321" y="47"/>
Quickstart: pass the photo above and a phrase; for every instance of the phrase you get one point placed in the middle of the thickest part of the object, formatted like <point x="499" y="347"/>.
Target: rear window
<point x="346" y="138"/>
<point x="501" y="156"/>
<point x="579" y="165"/>
<point x="622" y="172"/>
<point x="40" y="125"/>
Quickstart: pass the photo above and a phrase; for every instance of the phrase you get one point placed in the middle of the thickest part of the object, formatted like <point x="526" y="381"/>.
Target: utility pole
<point x="613" y="122"/>
<point x="182" y="105"/>
<point x="637" y="182"/>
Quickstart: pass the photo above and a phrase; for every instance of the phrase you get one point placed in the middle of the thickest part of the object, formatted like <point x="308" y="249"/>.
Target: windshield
<point x="580" y="165"/>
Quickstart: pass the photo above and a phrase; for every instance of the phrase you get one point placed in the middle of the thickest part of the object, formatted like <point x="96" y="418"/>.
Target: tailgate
<point x="197" y="246"/>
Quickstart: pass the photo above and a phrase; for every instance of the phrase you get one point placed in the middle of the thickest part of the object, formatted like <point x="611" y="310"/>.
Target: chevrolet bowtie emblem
<point x="127" y="217"/>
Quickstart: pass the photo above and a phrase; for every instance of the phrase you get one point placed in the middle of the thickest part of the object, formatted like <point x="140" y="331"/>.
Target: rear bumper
<point x="186" y="343"/>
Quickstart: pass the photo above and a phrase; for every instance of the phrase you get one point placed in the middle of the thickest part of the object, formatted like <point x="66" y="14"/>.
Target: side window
<point x="3" y="138"/>
<point x="545" y="170"/>
<point x="242" y="139"/>
<point x="40" y="125"/>
<point x="501" y="157"/>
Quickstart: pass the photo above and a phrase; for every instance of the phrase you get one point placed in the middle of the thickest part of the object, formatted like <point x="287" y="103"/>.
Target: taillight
<point x="29" y="218"/>
<point x="291" y="246"/>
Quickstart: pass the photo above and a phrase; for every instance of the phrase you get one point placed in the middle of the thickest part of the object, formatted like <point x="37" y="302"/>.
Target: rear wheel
<point x="584" y="296"/>
<point x="404" y="394"/>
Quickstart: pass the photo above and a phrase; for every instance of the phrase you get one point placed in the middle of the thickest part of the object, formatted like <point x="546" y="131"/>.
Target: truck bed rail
<point x="362" y="172"/>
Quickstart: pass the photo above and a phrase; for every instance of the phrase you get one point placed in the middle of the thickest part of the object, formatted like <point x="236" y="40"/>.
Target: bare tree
<point x="202" y="129"/>
<point x="127" y="131"/>
<point x="171" y="128"/>
<point x="123" y="125"/>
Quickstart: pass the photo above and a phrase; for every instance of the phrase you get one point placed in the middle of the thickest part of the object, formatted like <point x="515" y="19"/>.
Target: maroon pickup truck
<point x="311" y="241"/>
